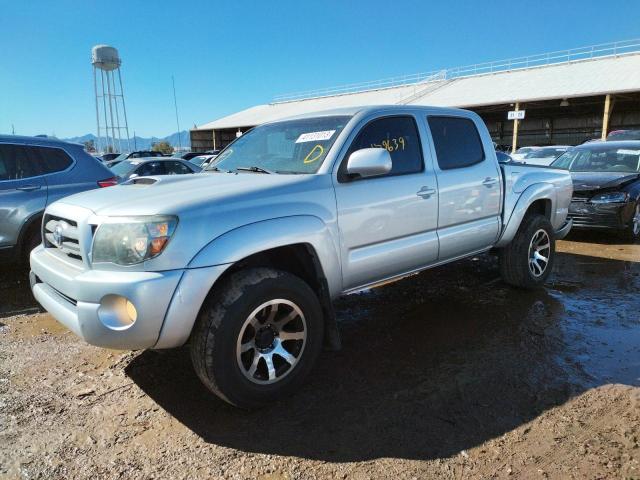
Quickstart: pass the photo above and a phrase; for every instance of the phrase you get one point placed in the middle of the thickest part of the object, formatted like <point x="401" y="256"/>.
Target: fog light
<point x="116" y="312"/>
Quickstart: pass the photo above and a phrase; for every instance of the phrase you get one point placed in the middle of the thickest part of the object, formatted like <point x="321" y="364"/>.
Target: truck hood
<point x="590" y="181"/>
<point x="177" y="193"/>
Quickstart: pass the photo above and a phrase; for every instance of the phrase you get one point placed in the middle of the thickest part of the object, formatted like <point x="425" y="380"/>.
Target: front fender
<point x="253" y="238"/>
<point x="538" y="191"/>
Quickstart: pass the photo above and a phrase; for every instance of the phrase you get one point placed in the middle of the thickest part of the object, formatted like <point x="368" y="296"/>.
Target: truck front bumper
<point x="163" y="301"/>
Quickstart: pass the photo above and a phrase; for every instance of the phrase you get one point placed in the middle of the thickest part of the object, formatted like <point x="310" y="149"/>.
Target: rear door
<point x="23" y="191"/>
<point x="469" y="186"/>
<point x="61" y="174"/>
<point x="387" y="223"/>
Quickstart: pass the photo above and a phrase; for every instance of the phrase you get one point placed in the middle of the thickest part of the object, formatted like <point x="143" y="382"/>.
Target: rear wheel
<point x="527" y="261"/>
<point x="257" y="337"/>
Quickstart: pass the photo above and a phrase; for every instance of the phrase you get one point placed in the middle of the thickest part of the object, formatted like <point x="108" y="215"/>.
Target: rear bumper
<point x="167" y="303"/>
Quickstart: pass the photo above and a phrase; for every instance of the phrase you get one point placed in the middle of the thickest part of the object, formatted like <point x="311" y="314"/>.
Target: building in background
<point x="568" y="97"/>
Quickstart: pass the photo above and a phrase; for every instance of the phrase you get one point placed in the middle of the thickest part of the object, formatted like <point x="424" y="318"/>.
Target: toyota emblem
<point x="57" y="234"/>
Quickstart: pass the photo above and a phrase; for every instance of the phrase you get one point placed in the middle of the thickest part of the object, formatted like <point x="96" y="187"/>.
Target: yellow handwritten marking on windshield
<point x="391" y="145"/>
<point x="315" y="153"/>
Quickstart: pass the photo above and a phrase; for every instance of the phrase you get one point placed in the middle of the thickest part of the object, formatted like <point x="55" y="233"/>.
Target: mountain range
<point x="140" y="143"/>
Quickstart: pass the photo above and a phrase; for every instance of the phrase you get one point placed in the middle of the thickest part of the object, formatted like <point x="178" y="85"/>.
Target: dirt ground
<point x="447" y="374"/>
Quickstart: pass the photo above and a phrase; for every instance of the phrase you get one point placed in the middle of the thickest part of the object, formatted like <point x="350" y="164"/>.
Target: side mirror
<point x="369" y="162"/>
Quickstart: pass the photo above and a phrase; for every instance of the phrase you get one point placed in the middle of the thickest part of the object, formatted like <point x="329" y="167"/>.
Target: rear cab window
<point x="457" y="142"/>
<point x="399" y="136"/>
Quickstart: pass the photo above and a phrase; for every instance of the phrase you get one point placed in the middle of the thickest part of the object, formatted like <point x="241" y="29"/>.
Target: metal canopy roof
<point x="594" y="75"/>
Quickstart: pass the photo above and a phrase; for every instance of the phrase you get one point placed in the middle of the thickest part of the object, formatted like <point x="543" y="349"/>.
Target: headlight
<point x="131" y="240"/>
<point x="612" y="197"/>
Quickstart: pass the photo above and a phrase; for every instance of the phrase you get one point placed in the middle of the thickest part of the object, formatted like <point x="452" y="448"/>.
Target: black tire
<point x="219" y="326"/>
<point x="31" y="240"/>
<point x="514" y="258"/>
<point x="632" y="232"/>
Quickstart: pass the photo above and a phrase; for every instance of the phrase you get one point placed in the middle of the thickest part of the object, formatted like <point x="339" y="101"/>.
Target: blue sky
<point x="227" y="56"/>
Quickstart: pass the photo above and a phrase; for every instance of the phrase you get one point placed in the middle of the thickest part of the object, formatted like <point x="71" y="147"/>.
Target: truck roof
<point x="367" y="109"/>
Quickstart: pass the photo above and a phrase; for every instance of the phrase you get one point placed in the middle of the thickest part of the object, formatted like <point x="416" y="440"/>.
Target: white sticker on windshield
<point x="315" y="136"/>
<point x="623" y="151"/>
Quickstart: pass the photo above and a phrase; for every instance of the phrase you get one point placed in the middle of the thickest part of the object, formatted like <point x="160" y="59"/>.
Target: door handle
<point x="489" y="182"/>
<point x="28" y="188"/>
<point x="425" y="192"/>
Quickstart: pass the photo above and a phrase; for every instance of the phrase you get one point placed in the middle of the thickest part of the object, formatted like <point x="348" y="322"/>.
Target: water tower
<point x="111" y="113"/>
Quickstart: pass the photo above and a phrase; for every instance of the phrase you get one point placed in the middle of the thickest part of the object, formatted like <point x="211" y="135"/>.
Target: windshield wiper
<point x="216" y="169"/>
<point x="254" y="169"/>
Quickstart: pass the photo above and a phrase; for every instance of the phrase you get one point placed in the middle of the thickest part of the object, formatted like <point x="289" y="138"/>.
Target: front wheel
<point x="633" y="230"/>
<point x="527" y="261"/>
<point x="257" y="337"/>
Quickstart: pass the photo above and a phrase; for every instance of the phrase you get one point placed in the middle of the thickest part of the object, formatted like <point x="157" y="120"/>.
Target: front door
<point x="387" y="223"/>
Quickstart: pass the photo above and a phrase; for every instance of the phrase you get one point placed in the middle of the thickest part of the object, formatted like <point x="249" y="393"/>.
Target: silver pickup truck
<point x="242" y="261"/>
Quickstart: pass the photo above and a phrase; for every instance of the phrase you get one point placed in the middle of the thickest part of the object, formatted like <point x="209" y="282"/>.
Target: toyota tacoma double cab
<point x="242" y="262"/>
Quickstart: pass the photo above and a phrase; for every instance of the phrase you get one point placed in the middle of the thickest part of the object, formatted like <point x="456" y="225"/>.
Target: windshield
<point x="124" y="168"/>
<point x="121" y="157"/>
<point x="546" y="153"/>
<point x="524" y="150"/>
<point x="294" y="146"/>
<point x="600" y="160"/>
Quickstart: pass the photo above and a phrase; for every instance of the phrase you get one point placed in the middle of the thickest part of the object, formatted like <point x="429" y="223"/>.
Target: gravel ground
<point x="445" y="374"/>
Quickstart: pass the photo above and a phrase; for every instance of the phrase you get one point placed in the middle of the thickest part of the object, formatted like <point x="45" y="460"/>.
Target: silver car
<point x="243" y="261"/>
<point x="35" y="172"/>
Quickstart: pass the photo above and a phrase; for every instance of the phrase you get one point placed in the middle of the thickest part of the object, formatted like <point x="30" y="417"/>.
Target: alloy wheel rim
<point x="539" y="253"/>
<point x="271" y="341"/>
<point x="636" y="221"/>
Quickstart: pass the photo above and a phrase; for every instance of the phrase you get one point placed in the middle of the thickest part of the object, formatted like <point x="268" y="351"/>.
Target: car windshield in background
<point x="294" y="146"/>
<point x="618" y="159"/>
<point x="199" y="160"/>
<point x="546" y="153"/>
<point x="119" y="158"/>
<point x="122" y="169"/>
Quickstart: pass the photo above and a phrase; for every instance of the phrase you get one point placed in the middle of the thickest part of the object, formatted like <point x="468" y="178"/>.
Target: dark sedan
<point x="606" y="185"/>
<point x="145" y="167"/>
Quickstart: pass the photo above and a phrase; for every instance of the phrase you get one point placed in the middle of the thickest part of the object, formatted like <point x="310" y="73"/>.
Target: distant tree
<point x="162" y="146"/>
<point x="89" y="146"/>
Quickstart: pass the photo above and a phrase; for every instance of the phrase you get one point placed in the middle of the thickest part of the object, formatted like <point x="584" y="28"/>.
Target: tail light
<point x="108" y="182"/>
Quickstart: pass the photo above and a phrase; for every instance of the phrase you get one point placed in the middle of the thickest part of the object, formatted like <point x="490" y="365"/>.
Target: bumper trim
<point x="564" y="230"/>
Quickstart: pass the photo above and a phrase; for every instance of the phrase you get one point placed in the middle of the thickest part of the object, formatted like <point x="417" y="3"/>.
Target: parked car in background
<point x="188" y="155"/>
<point x="213" y="152"/>
<point x="146" y="167"/>
<point x="243" y="263"/>
<point x="107" y="157"/>
<point x="34" y="172"/>
<point x="521" y="152"/>
<point x="203" y="160"/>
<point x="606" y="185"/>
<point x="504" y="157"/>
<point x="543" y="155"/>
<point x="615" y="135"/>
<point x="136" y="154"/>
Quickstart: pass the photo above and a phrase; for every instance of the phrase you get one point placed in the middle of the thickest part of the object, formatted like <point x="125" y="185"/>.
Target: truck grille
<point x="62" y="234"/>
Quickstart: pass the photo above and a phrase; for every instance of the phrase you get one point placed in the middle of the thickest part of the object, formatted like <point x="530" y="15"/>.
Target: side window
<point x="457" y="142"/>
<point x="16" y="163"/>
<point x="150" y="168"/>
<point x="399" y="136"/>
<point x="176" y="168"/>
<point x="51" y="159"/>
